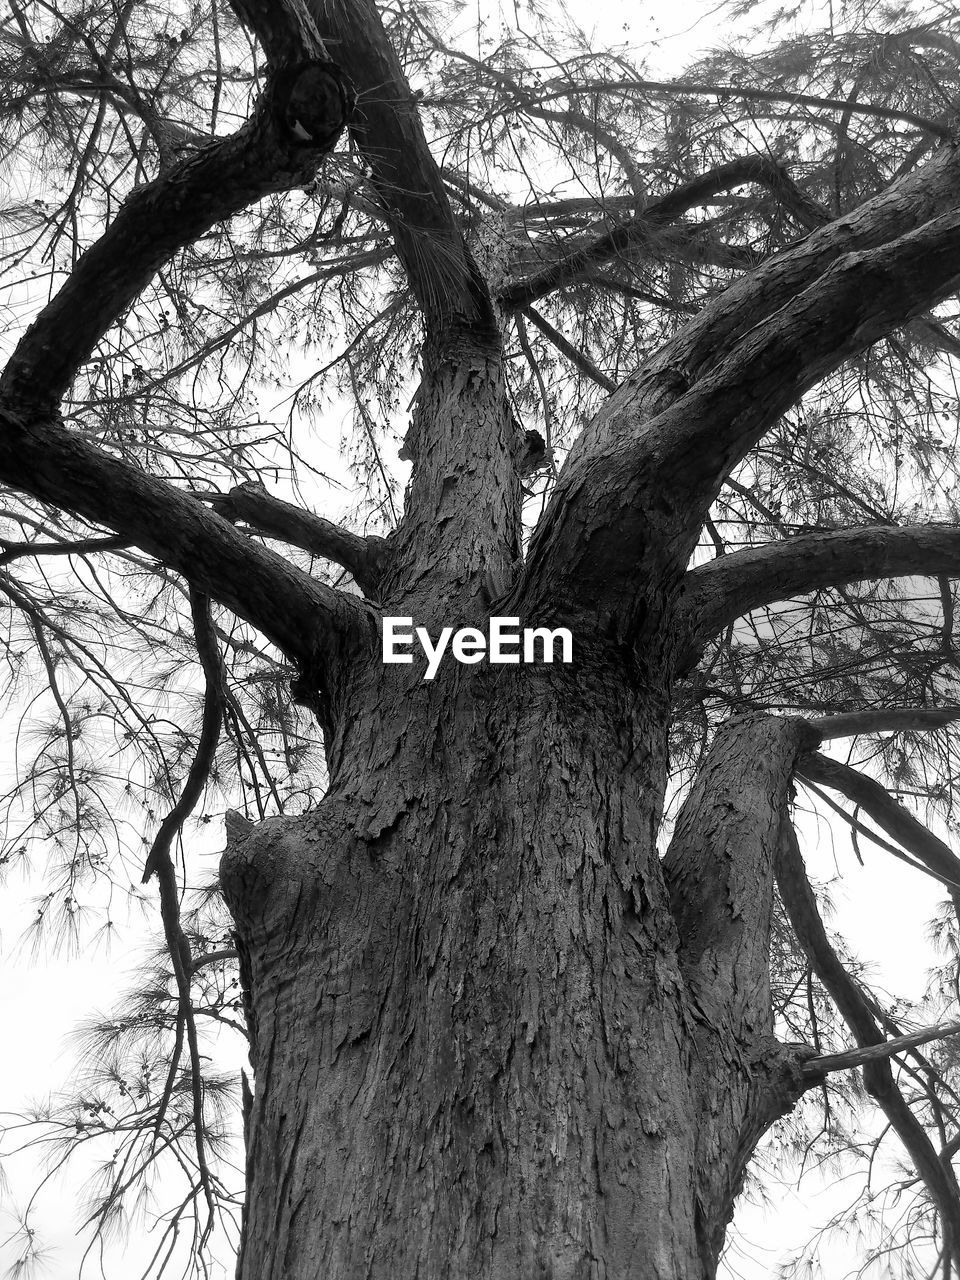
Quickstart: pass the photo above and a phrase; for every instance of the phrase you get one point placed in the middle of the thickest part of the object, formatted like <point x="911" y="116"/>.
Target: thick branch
<point x="304" y="618"/>
<point x="717" y="593"/>
<point x="719" y="871"/>
<point x="154" y="222"/>
<point x="719" y="866"/>
<point x="364" y="557"/>
<point x="859" y="298"/>
<point x="639" y="481"/>
<point x="916" y="198"/>
<point x="387" y="129"/>
<point x="463" y="504"/>
<point x="804" y="915"/>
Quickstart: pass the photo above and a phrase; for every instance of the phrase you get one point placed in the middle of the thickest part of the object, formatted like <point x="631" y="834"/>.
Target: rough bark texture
<point x="485" y="1043"/>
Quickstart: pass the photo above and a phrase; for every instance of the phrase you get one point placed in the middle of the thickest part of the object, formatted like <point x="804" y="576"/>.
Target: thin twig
<point x="160" y="862"/>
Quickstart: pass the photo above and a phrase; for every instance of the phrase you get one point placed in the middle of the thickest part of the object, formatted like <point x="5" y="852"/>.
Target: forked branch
<point x="644" y="472"/>
<point x="308" y="621"/>
<point x="387" y="130"/>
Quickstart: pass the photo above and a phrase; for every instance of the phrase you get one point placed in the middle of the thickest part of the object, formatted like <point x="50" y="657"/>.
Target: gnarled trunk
<point x="476" y="1051"/>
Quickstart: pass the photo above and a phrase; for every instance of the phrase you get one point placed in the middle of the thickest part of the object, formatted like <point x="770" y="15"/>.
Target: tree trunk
<point x="474" y="1046"/>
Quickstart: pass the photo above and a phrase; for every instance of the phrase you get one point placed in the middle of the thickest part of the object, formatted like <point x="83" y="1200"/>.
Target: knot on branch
<point x="229" y="505"/>
<point x="534" y="454"/>
<point x="312" y="103"/>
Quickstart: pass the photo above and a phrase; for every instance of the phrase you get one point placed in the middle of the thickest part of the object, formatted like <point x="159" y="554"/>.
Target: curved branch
<point x="156" y="220"/>
<point x="160" y="862"/>
<point x="594" y="129"/>
<point x="861" y="297"/>
<point x="211" y="724"/>
<point x="905" y="205"/>
<point x="632" y="495"/>
<point x="717" y="593"/>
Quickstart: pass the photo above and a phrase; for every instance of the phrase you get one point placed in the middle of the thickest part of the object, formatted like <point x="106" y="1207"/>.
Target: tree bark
<point x="469" y="1046"/>
<point x="479" y="1048"/>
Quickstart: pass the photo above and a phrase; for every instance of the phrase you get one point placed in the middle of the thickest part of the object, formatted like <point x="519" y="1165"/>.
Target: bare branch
<point x="563" y="345"/>
<point x="887" y="813"/>
<point x="885" y="720"/>
<point x="213" y="705"/>
<point x="363" y="556"/>
<point x="82" y="546"/>
<point x="817" y="1068"/>
<point x="160" y="862"/>
<point x="716" y="593"/>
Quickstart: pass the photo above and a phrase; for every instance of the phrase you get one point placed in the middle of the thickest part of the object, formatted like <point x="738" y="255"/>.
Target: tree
<point x="682" y="384"/>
